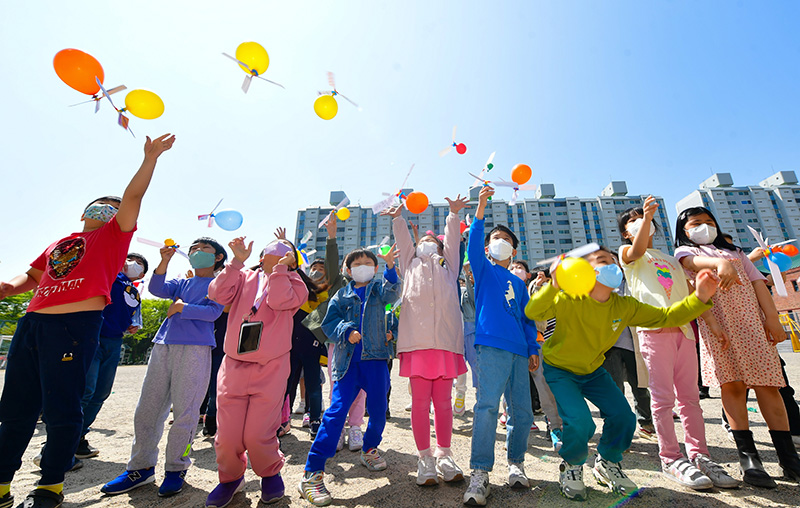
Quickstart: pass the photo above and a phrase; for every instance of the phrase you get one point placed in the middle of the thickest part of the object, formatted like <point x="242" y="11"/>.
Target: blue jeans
<point x="100" y="379"/>
<point x="469" y="349"/>
<point x="372" y="376"/>
<point x="500" y="373"/>
<point x="46" y="371"/>
<point x="619" y="423"/>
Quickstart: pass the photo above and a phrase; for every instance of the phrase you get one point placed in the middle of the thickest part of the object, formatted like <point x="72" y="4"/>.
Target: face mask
<point x="201" y="259"/>
<point x="133" y="269"/>
<point x="500" y="249"/>
<point x="609" y="275"/>
<point x="427" y="249"/>
<point x="276" y="248"/>
<point x="315" y="275"/>
<point x="520" y="272"/>
<point x="636" y="225"/>
<point x="103" y="213"/>
<point x="702" y="235"/>
<point x="363" y="273"/>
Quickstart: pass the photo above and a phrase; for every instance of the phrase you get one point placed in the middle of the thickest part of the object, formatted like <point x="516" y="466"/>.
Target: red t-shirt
<point x="81" y="266"/>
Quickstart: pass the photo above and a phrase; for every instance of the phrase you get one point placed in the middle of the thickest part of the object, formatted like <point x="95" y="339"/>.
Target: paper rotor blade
<point x="331" y="80"/>
<point x="489" y="161"/>
<point x="407" y="175"/>
<point x="454" y="133"/>
<point x="310" y="253"/>
<point x="96" y="106"/>
<point x="216" y="206"/>
<point x="777" y="278"/>
<point x="348" y="100"/>
<point x="441" y="153"/>
<point x="343" y="203"/>
<point x="151" y="243"/>
<point x="583" y="250"/>
<point x="784" y="243"/>
<point x="84" y="102"/>
<point x="513" y="198"/>
<point x="105" y="94"/>
<point x="500" y="183"/>
<point x="323" y="221"/>
<point x="182" y="253"/>
<point x="382" y="205"/>
<point x="246" y="83"/>
<point x="240" y="63"/>
<point x="117" y="89"/>
<point x="307" y="237"/>
<point x="384" y="241"/>
<point x="758" y="237"/>
<point x="270" y="81"/>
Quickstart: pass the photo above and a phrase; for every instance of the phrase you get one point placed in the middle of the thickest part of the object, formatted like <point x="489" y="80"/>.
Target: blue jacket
<point x="119" y="314"/>
<point x="344" y="316"/>
<point x="500" y="300"/>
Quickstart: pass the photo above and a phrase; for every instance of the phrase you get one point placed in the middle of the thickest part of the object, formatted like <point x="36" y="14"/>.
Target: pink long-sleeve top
<point x="284" y="294"/>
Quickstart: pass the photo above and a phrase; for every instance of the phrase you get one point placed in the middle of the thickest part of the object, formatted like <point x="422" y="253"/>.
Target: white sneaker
<point x="355" y="439"/>
<point x="408" y="407"/>
<point x="426" y="471"/>
<point x="340" y="444"/>
<point x="610" y="474"/>
<point x="683" y="472"/>
<point x="478" y="489"/>
<point x="447" y="467"/>
<point x="516" y="476"/>
<point x="728" y="431"/>
<point x="301" y="407"/>
<point x="373" y="460"/>
<point x="570" y="479"/>
<point x="715" y="472"/>
<point x="459" y="406"/>
<point x="312" y="488"/>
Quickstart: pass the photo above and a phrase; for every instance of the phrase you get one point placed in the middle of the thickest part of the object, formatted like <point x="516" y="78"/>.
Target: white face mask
<point x="500" y="249"/>
<point x="636" y="225"/>
<point x="427" y="249"/>
<point x="702" y="235"/>
<point x="133" y="269"/>
<point x="363" y="273"/>
<point x="520" y="272"/>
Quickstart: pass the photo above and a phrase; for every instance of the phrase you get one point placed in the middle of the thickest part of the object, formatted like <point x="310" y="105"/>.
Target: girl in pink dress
<point x="430" y="342"/>
<point x="739" y="335"/>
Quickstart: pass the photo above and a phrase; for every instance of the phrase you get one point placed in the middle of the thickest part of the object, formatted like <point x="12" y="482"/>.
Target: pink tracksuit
<point x="251" y="386"/>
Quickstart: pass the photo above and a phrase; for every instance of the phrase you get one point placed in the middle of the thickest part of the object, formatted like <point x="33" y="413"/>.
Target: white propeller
<point x="253" y="73"/>
<point x="479" y="180"/>
<point x="97" y="98"/>
<point x="210" y="216"/>
<point x="774" y="270"/>
<point x="577" y="252"/>
<point x="342" y="204"/>
<point x="449" y="148"/>
<point x="388" y="202"/>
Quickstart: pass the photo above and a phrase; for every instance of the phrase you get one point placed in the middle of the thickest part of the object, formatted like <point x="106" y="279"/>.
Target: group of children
<point x="279" y="318"/>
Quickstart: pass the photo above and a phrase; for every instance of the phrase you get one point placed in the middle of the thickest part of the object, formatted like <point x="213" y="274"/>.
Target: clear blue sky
<point x="654" y="93"/>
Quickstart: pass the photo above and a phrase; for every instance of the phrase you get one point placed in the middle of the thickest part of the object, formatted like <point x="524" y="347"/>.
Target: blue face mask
<point x="103" y="213"/>
<point x="201" y="259"/>
<point x="609" y="275"/>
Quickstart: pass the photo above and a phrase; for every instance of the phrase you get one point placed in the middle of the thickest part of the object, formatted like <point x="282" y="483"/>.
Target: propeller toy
<point x="502" y="183"/>
<point x="169" y="242"/>
<point x="229" y="220"/>
<point x="342" y="204"/>
<point x="774" y="258"/>
<point x="258" y="58"/>
<point x="97" y="98"/>
<point x="397" y="196"/>
<point x="382" y="247"/>
<point x="479" y="179"/>
<point x="461" y="148"/>
<point x="335" y="92"/>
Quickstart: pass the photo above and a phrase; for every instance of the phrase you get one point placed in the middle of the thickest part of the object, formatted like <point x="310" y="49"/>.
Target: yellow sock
<point x="5" y="488"/>
<point x="57" y="488"/>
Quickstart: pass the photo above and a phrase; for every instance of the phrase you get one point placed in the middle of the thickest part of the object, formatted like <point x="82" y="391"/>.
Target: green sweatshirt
<point x="586" y="328"/>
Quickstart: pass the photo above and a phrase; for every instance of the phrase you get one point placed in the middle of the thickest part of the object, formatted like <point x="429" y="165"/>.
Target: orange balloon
<point x="417" y="202"/>
<point x="79" y="70"/>
<point x="790" y="250"/>
<point x="521" y="173"/>
<point x="777" y="248"/>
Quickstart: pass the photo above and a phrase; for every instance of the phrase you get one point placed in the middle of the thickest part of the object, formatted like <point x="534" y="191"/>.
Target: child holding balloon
<point x="587" y="327"/>
<point x="430" y="340"/>
<point x="669" y="354"/>
<point x="738" y="344"/>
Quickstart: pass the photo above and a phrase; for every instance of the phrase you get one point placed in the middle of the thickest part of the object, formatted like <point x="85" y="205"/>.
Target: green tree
<point x="11" y="309"/>
<point x="154" y="312"/>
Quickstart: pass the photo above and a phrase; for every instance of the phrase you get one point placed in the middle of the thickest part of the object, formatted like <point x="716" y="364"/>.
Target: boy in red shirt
<point x="56" y="340"/>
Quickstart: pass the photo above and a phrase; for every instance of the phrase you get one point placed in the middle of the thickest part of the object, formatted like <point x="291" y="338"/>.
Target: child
<point x="669" y="354"/>
<point x="177" y="373"/>
<point x="355" y="322"/>
<point x="520" y="269"/>
<point x="56" y="340"/>
<point x="467" y="298"/>
<point x="252" y="378"/>
<point x="118" y="319"/>
<point x="430" y="341"/>
<point x="506" y="349"/>
<point x="735" y="349"/>
<point x="586" y="327"/>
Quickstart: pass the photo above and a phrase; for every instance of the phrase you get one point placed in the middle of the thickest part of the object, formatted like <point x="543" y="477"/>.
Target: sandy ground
<point x="352" y="485"/>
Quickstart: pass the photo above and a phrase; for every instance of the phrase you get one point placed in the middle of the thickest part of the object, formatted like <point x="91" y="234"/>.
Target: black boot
<point x="752" y="470"/>
<point x="787" y="455"/>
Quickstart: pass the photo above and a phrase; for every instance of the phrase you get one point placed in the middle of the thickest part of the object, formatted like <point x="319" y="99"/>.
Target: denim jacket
<point x="342" y="317"/>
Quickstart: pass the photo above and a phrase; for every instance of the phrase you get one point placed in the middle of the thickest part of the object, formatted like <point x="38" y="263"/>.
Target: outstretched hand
<point x="331" y="225"/>
<point x="458" y="204"/>
<point x="393" y="211"/>
<point x="705" y="285"/>
<point x="154" y="148"/>
<point x="280" y="233"/>
<point x="240" y="251"/>
<point x="390" y="256"/>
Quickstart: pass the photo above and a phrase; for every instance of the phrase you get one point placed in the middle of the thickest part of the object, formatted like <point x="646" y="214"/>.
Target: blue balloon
<point x="229" y="220"/>
<point x="783" y="261"/>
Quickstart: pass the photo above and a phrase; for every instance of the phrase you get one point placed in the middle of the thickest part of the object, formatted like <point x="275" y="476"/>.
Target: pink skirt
<point x="432" y="364"/>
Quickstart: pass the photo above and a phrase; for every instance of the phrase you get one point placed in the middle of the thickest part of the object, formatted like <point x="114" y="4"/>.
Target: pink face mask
<point x="276" y="248"/>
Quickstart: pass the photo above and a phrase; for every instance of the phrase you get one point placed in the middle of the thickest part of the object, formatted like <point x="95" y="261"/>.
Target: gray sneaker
<point x="685" y="473"/>
<point x="478" y="489"/>
<point x="516" y="476"/>
<point x="426" y="471"/>
<point x="571" y="480"/>
<point x="715" y="472"/>
<point x="610" y="474"/>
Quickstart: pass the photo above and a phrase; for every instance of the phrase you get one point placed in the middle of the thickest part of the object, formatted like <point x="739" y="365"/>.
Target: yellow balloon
<point x="326" y="107"/>
<point x="343" y="214"/>
<point x="254" y="56"/>
<point x="575" y="276"/>
<point x="144" y="104"/>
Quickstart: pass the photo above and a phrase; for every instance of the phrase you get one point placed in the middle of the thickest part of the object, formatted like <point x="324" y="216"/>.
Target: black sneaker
<point x="42" y="498"/>
<point x="85" y="451"/>
<point x="76" y="464"/>
<point x="210" y="427"/>
<point x="315" y="427"/>
<point x="7" y="501"/>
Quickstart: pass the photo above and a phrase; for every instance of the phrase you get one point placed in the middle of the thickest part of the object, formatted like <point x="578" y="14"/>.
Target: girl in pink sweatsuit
<point x="252" y="379"/>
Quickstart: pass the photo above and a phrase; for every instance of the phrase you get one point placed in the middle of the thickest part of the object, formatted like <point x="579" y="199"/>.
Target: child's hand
<point x="650" y="207"/>
<point x="189" y="274"/>
<point x="533" y="363"/>
<point x="280" y="233"/>
<point x="728" y="276"/>
<point x="540" y="279"/>
<point x="458" y="204"/>
<point x="717" y="330"/>
<point x="331" y="225"/>
<point x="355" y="337"/>
<point x="132" y="330"/>
<point x="389" y="337"/>
<point x="5" y="290"/>
<point x="415" y="231"/>
<point x="154" y="148"/>
<point x="756" y="254"/>
<point x="775" y="331"/>
<point x="553" y="269"/>
<point x="390" y="256"/>
<point x="240" y="251"/>
<point x="167" y="253"/>
<point x="288" y="260"/>
<point x="393" y="212"/>
<point x="175" y="308"/>
<point x="706" y="284"/>
<point x="485" y="194"/>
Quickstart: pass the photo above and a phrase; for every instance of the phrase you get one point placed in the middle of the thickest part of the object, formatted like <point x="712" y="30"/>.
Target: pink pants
<point x="671" y="360"/>
<point x="356" y="416"/>
<point x="249" y="400"/>
<point x="422" y="392"/>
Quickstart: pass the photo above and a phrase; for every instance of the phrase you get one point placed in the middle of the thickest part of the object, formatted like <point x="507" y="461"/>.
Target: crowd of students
<point x="441" y="304"/>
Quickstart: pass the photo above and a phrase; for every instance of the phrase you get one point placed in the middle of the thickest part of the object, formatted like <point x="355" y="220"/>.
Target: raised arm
<point x="285" y="289"/>
<point x="405" y="246"/>
<point x="452" y="235"/>
<point x="642" y="238"/>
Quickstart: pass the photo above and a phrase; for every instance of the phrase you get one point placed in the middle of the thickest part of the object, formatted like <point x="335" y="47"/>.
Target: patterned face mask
<point x="103" y="213"/>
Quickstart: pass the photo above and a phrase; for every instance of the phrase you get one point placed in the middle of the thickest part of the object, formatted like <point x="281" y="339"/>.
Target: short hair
<point x="218" y="249"/>
<point x="626" y="216"/>
<point x="500" y="227"/>
<point x="521" y="263"/>
<point x="105" y="198"/>
<point x="357" y="254"/>
<point x="138" y="257"/>
<point x="316" y="262"/>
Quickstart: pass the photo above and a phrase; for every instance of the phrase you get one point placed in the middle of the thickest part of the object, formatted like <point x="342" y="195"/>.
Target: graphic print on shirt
<point x="65" y="257"/>
<point x="132" y="297"/>
<point x="664" y="276"/>
<point x="615" y="324"/>
<point x="510" y="294"/>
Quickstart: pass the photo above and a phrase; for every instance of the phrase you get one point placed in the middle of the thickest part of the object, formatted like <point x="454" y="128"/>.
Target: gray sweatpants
<point x="176" y="375"/>
<point x="546" y="399"/>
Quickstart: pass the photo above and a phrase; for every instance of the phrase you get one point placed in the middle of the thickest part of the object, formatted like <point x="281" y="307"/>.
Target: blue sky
<point x="659" y="94"/>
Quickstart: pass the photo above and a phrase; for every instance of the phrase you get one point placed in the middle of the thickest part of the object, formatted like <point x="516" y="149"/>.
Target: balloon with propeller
<point x="480" y="177"/>
<point x="253" y="59"/>
<point x="516" y="188"/>
<point x="325" y="106"/>
<point x="305" y="256"/>
<point x="382" y="247"/>
<point x="340" y="210"/>
<point x="461" y="148"/>
<point x="229" y="220"/>
<point x="574" y="275"/>
<point x="81" y="71"/>
<point x="393" y="198"/>
<point x="775" y="260"/>
<point x="169" y="242"/>
<point x="143" y="104"/>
